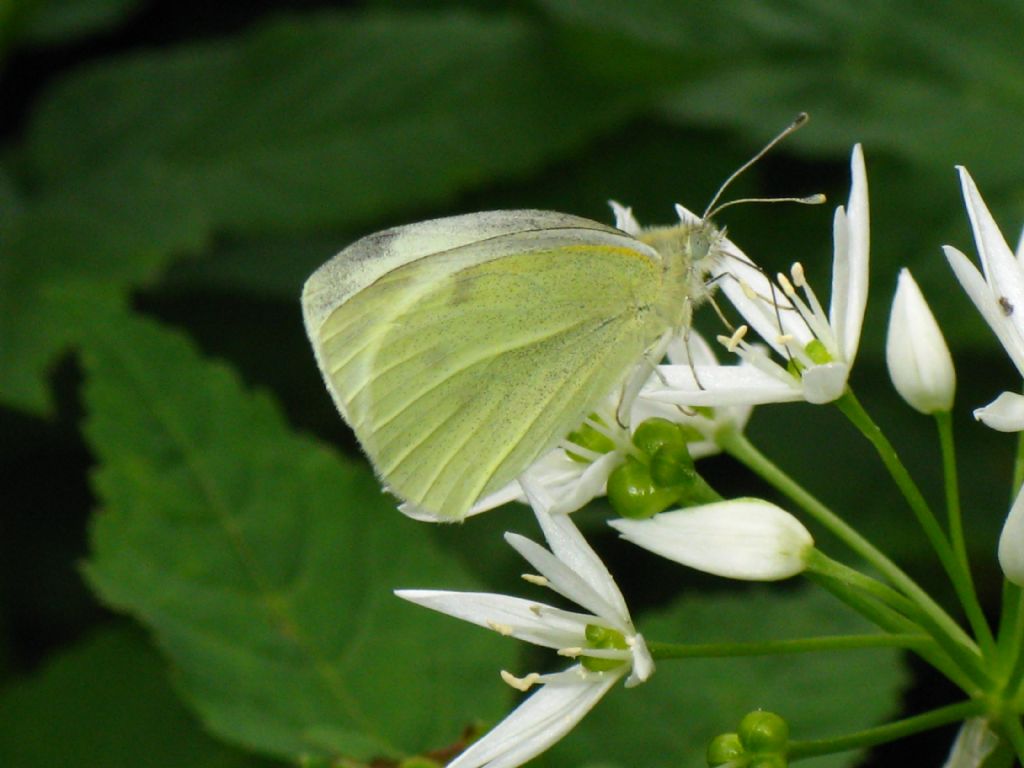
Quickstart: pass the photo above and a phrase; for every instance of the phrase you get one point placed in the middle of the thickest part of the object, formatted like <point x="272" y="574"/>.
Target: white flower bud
<point x="919" y="362"/>
<point x="1011" y="543"/>
<point x="748" y="539"/>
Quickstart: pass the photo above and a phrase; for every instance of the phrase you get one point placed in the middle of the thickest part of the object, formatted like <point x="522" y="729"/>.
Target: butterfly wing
<point x="460" y="358"/>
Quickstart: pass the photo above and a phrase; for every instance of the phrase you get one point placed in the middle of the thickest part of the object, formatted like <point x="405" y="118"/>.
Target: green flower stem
<point x="1015" y="735"/>
<point x="969" y="596"/>
<point x="781" y="647"/>
<point x="1014" y="658"/>
<point x="799" y="750"/>
<point x="1010" y="624"/>
<point x="1018" y="468"/>
<point x="854" y="411"/>
<point x="938" y="627"/>
<point x="896" y="623"/>
<point x="737" y="446"/>
<point x="820" y="563"/>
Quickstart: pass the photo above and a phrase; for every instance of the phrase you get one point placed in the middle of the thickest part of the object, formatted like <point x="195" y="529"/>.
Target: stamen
<point x="748" y="290"/>
<point x="534" y="578"/>
<point x="570" y="447"/>
<point x="501" y="629"/>
<point x="816" y="319"/>
<point x="571" y="653"/>
<point x="784" y="338"/>
<point x="734" y="340"/>
<point x="536" y="610"/>
<point x="787" y="287"/>
<point x="797" y="271"/>
<point x="520" y="683"/>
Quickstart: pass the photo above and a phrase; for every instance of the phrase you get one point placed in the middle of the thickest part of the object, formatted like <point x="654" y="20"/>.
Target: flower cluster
<point x="693" y="406"/>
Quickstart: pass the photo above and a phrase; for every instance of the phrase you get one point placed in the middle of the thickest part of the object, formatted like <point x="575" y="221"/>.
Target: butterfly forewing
<point x="459" y="368"/>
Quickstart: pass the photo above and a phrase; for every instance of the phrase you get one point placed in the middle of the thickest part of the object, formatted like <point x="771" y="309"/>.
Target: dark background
<point x="672" y="109"/>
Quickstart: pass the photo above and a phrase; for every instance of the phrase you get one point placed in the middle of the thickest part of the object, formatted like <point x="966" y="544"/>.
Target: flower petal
<point x="526" y="620"/>
<point x="764" y="306"/>
<point x="748" y="539"/>
<point x="850" y="269"/>
<point x="974" y="742"/>
<point x="1005" y="413"/>
<point x="997" y="260"/>
<point x="1011" y="543"/>
<point x="722" y="385"/>
<point x="691" y="348"/>
<point x="643" y="662"/>
<point x="565" y="581"/>
<point x="1002" y="270"/>
<point x="624" y="219"/>
<point x="568" y="545"/>
<point x="987" y="304"/>
<point x="916" y="354"/>
<point x="538" y="722"/>
<point x="686" y="216"/>
<point x="825" y="383"/>
<point x="561" y="485"/>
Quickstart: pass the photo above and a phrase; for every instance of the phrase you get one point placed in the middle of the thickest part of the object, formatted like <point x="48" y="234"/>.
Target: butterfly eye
<point x="699" y="244"/>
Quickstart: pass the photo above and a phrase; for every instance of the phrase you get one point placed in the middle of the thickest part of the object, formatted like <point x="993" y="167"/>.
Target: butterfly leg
<point x="636" y="380"/>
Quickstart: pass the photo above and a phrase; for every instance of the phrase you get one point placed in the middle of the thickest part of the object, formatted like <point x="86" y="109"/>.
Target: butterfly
<point x="462" y="349"/>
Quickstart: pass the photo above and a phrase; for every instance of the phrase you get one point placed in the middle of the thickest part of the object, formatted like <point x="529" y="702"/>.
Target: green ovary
<point x="604" y="638"/>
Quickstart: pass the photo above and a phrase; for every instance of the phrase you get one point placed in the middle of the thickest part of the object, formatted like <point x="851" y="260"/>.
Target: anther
<point x="520" y="683"/>
<point x="501" y="629"/>
<point x="734" y="341"/>
<point x="797" y="271"/>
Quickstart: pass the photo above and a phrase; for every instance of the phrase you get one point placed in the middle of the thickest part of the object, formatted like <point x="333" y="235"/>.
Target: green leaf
<point x="48" y="22"/>
<point x="669" y="720"/>
<point x="105" y="704"/>
<point x="328" y="121"/>
<point x="889" y="76"/>
<point x="89" y="237"/>
<point x="265" y="565"/>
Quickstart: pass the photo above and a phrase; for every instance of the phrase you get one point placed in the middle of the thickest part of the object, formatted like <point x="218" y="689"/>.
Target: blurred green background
<point x="193" y="162"/>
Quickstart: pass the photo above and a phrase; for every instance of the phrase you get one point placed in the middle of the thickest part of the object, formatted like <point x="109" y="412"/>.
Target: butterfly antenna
<point x="817" y="199"/>
<point x="800" y="120"/>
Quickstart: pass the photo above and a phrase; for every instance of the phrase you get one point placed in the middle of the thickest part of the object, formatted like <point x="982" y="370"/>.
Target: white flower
<point x="998" y="295"/>
<point x="974" y="742"/>
<point x="604" y="640"/>
<point x="822" y="346"/>
<point x="919" y="362"/>
<point x="682" y="354"/>
<point x="747" y="539"/>
<point x="1011" y="542"/>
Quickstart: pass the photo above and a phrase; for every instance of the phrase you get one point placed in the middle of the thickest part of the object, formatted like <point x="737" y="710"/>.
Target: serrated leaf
<point x="105" y="704"/>
<point x="669" y="720"/>
<point x="265" y="565"/>
<point x="89" y="237"/>
<point x="328" y="121"/>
